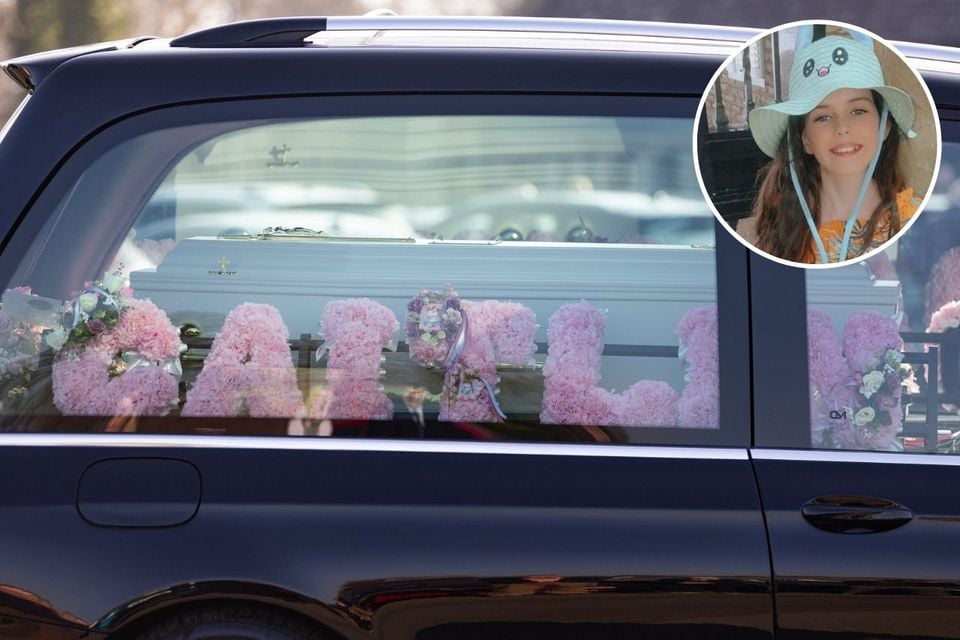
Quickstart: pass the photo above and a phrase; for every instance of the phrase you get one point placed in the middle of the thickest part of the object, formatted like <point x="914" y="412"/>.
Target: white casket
<point x="646" y="290"/>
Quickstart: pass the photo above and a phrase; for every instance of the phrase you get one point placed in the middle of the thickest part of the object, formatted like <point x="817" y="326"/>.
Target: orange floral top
<point x="832" y="232"/>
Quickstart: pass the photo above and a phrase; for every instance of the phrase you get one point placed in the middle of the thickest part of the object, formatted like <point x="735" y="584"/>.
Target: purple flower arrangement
<point x="432" y="326"/>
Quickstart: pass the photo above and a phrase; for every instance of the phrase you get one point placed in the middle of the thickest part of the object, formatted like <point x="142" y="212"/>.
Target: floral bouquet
<point x="877" y="403"/>
<point x="433" y="325"/>
<point x="92" y="313"/>
<point x="871" y="415"/>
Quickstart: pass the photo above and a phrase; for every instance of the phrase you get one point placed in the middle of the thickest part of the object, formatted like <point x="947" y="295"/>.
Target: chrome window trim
<point x="868" y="457"/>
<point x="573" y="26"/>
<point x="13" y="117"/>
<point x="296" y="443"/>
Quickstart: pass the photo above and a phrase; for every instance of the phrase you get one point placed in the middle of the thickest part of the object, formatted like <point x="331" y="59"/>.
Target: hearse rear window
<point x="481" y="273"/>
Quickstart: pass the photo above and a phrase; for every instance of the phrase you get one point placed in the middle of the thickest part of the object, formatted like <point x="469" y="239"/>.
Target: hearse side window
<point x="486" y="276"/>
<point x="884" y="337"/>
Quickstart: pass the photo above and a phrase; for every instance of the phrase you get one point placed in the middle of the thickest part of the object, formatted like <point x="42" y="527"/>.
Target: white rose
<point x="112" y="282"/>
<point x="864" y="416"/>
<point x="88" y="302"/>
<point x="871" y="383"/>
<point x="57" y="338"/>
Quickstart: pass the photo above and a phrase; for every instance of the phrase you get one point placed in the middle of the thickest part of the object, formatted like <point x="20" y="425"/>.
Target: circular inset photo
<point x="817" y="144"/>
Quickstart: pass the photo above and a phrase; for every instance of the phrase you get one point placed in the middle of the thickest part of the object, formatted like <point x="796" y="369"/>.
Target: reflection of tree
<point x="50" y="24"/>
<point x="29" y="26"/>
<point x="933" y="21"/>
<point x="25" y="602"/>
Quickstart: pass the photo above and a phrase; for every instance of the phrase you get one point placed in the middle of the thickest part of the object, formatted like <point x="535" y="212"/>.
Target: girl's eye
<point x="821" y="118"/>
<point x="859" y="112"/>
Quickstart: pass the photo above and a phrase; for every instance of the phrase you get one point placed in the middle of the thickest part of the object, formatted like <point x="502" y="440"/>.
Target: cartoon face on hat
<point x="820" y="68"/>
<point x="840" y="56"/>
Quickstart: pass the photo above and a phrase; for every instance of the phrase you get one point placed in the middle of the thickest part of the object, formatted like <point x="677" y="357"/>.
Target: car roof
<point x="419" y="32"/>
<point x="485" y="32"/>
<point x="410" y="32"/>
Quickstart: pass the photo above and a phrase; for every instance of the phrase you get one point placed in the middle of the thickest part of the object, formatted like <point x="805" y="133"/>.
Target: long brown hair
<point x="782" y="228"/>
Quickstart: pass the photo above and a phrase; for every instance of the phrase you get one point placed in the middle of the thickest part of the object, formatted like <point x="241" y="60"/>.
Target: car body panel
<point x="441" y="539"/>
<point x="377" y="537"/>
<point x="892" y="584"/>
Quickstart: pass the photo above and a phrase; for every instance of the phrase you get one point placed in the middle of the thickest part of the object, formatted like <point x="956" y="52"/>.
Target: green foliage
<point x="53" y="24"/>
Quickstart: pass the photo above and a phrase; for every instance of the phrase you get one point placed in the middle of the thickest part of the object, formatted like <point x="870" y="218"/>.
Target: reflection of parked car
<point x="560" y="216"/>
<point x="653" y="472"/>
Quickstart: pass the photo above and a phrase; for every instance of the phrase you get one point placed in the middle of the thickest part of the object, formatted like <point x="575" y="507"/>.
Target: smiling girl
<point x="834" y="190"/>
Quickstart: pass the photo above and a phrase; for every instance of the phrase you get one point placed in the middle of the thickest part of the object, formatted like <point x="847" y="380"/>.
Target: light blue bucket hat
<point x="819" y="69"/>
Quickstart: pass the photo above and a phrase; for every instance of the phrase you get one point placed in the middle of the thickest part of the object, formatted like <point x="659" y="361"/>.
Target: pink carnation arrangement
<point x="128" y="368"/>
<point x="571" y="374"/>
<point x="944" y="284"/>
<point x="945" y="318"/>
<point x="355" y="332"/>
<point x="699" y="404"/>
<point x="496" y="333"/>
<point x="855" y="393"/>
<point x="249" y="365"/>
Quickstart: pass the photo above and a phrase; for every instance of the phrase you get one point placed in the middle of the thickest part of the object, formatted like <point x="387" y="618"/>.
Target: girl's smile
<point x="845" y="150"/>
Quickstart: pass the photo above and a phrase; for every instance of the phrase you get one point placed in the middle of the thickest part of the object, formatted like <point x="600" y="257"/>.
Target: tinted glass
<point x="482" y="270"/>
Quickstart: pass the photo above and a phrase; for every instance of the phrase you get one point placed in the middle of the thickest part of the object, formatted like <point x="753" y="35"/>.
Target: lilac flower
<point x="893" y="381"/>
<point x="415" y="305"/>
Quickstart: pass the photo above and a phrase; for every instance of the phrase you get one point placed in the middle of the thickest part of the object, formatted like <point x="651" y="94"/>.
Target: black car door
<point x="861" y="537"/>
<point x="412" y="527"/>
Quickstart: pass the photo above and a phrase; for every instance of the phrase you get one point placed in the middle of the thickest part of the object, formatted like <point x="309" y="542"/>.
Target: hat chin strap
<point x="852" y="218"/>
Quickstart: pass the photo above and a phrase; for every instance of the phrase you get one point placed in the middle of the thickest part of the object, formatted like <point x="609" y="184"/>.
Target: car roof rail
<point x="291" y="32"/>
<point x="29" y="71"/>
<point x="269" y="32"/>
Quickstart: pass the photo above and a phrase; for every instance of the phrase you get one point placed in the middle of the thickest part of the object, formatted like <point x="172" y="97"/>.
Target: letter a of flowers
<point x="249" y="366"/>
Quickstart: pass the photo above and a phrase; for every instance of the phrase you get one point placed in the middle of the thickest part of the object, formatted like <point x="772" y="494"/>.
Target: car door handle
<point x="855" y="514"/>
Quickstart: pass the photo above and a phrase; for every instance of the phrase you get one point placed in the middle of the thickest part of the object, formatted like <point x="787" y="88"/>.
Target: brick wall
<point x="734" y="93"/>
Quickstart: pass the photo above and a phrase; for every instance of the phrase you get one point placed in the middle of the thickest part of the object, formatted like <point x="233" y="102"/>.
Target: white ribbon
<point x="456" y="351"/>
<point x="171" y="365"/>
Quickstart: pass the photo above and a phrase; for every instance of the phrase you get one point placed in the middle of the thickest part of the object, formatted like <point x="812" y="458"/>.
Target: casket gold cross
<point x="223" y="263"/>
